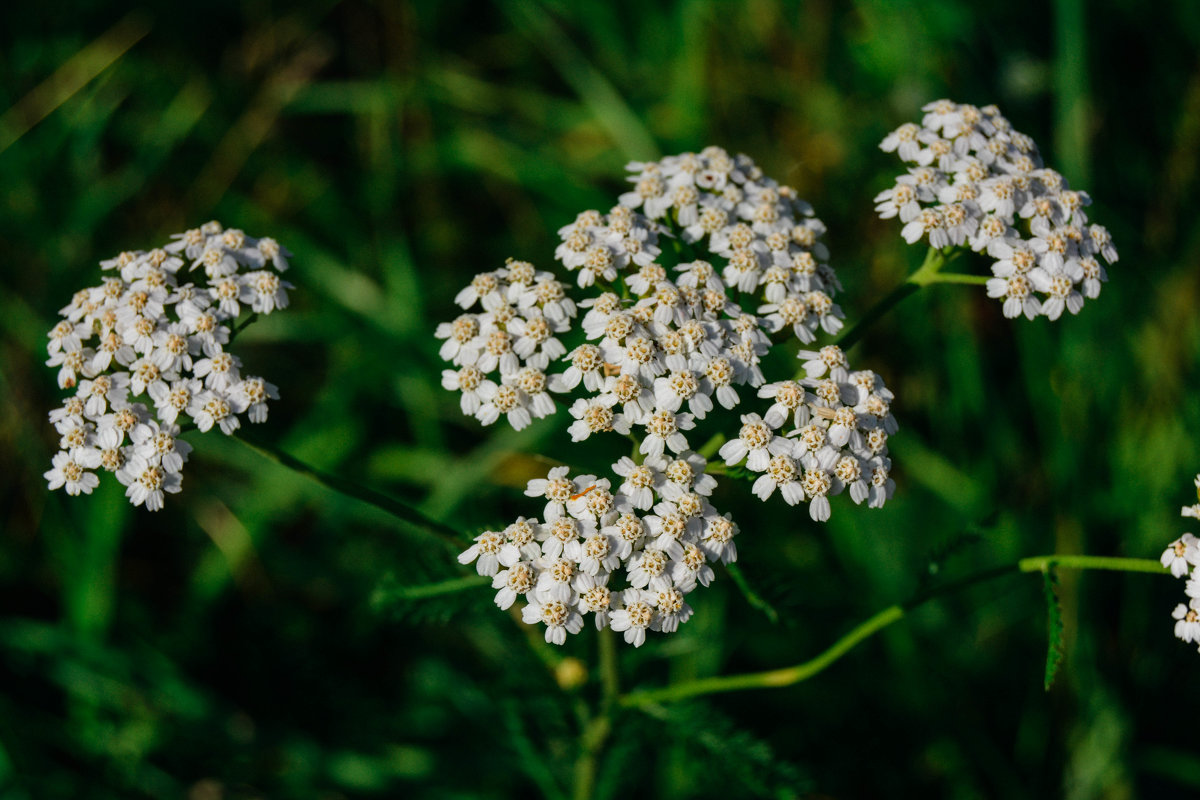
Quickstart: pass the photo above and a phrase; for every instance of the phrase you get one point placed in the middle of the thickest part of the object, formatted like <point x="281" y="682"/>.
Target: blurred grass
<point x="228" y="646"/>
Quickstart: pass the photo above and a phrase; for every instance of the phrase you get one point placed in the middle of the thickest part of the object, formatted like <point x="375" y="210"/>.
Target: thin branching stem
<point x="930" y="272"/>
<point x="396" y="508"/>
<point x="789" y="676"/>
<point x="752" y="597"/>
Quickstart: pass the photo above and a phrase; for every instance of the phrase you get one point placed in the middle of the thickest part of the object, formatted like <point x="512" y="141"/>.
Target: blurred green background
<point x="241" y="642"/>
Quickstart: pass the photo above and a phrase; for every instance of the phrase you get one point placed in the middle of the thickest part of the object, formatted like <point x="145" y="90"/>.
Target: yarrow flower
<point x="1182" y="557"/>
<point x="662" y="345"/>
<point x="568" y="567"/>
<point x="148" y="332"/>
<point x="975" y="182"/>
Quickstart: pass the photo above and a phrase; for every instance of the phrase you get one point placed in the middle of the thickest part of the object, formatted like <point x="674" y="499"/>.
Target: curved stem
<point x="788" y="676"/>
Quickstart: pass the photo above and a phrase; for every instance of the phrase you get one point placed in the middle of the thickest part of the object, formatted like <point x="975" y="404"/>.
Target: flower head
<point x="145" y="353"/>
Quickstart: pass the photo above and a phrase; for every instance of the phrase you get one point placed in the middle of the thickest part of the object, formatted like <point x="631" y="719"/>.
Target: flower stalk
<point x="789" y="676"/>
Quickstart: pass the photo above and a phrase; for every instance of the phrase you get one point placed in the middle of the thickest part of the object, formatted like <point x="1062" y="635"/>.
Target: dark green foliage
<point x="733" y="758"/>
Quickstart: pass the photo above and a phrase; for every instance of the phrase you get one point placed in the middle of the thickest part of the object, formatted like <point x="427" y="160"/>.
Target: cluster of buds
<point x="143" y="333"/>
<point x="1182" y="557"/>
<point x="666" y="340"/>
<point x="975" y="182"/>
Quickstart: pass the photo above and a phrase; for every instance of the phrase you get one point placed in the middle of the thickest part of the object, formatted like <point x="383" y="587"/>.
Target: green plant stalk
<point x="789" y="676"/>
<point x="930" y="272"/>
<point x="752" y="597"/>
<point x="246" y="323"/>
<point x="401" y="511"/>
<point x="449" y="586"/>
<point x="597" y="728"/>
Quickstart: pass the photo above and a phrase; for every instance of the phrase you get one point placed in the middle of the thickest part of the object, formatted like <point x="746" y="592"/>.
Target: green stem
<point x="596" y="729"/>
<point x="246" y="323"/>
<point x="893" y="298"/>
<point x="401" y="511"/>
<point x="427" y="590"/>
<point x="752" y="597"/>
<point x="610" y="675"/>
<point x="959" y="277"/>
<point x="789" y="676"/>
<point x="1043" y="563"/>
<point x="930" y="272"/>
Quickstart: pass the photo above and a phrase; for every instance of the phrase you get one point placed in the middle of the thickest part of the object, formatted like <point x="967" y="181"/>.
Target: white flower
<point x="486" y="289"/>
<point x="672" y="610"/>
<point x="250" y="396"/>
<point x="636" y="615"/>
<point x="983" y="185"/>
<point x="781" y="473"/>
<point x="593" y="416"/>
<point x="717" y="541"/>
<point x="458" y="334"/>
<point x="756" y="442"/>
<point x="535" y="336"/>
<point x="640" y="482"/>
<point x="264" y="291"/>
<point x="1017" y="294"/>
<point x="664" y="429"/>
<point x="629" y="531"/>
<point x="587" y="365"/>
<point x="160" y="445"/>
<point x="691" y="569"/>
<point x="557" y="579"/>
<point x="1187" y="621"/>
<point x="146" y="482"/>
<point x="485" y="552"/>
<point x="559" y="617"/>
<point x="505" y="399"/>
<point x="679" y="386"/>
<point x="635" y="398"/>
<point x="516" y="581"/>
<point x="171" y="401"/>
<point x="684" y="473"/>
<point x="557" y="489"/>
<point x="648" y="569"/>
<point x="220" y="372"/>
<point x="208" y="408"/>
<point x="595" y="598"/>
<point x="67" y="472"/>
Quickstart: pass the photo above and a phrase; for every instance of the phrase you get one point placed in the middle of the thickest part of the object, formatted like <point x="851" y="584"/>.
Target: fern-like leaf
<point x="736" y="756"/>
<point x="430" y="588"/>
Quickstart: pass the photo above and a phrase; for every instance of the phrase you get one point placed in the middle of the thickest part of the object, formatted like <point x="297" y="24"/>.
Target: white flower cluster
<point x="162" y="339"/>
<point x="657" y="533"/>
<point x="513" y="337"/>
<point x="767" y="237"/>
<point x="974" y="181"/>
<point x="840" y="421"/>
<point x="1182" y="557"/>
<point x="664" y="344"/>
